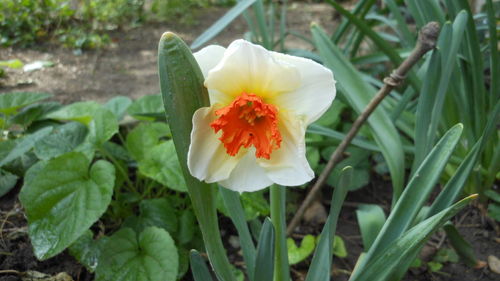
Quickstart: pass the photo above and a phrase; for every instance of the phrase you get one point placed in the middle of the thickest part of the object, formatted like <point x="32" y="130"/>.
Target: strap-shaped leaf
<point x="221" y="23"/>
<point x="415" y="194"/>
<point x="181" y="83"/>
<point x="358" y="93"/>
<point x="400" y="251"/>
<point x="264" y="259"/>
<point x="322" y="259"/>
<point x="371" y="219"/>
<point x="199" y="267"/>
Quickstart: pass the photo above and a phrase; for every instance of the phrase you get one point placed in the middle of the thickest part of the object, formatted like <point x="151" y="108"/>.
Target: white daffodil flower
<point x="261" y="103"/>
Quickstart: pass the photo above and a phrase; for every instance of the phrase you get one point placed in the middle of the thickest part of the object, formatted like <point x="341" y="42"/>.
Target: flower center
<point x="248" y="121"/>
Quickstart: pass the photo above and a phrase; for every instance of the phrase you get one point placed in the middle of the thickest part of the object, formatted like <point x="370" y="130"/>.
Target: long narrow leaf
<point x="322" y="259"/>
<point x="199" y="268"/>
<point x="398" y="255"/>
<point x="359" y="93"/>
<point x="237" y="215"/>
<point x="264" y="262"/>
<point x="221" y="23"/>
<point x="416" y="193"/>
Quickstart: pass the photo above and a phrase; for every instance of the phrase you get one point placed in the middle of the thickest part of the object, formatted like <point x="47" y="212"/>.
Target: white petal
<point x="250" y="68"/>
<point x="247" y="176"/>
<point x="208" y="57"/>
<point x="207" y="157"/>
<point x="288" y="165"/>
<point x="315" y="94"/>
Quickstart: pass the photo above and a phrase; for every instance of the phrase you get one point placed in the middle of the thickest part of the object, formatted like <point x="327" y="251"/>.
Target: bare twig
<point x="426" y="42"/>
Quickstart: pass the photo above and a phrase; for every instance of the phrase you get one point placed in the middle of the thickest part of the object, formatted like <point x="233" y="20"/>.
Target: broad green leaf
<point x="446" y="255"/>
<point x="7" y="182"/>
<point x="86" y="250"/>
<point x="400" y="252"/>
<point x="358" y="93"/>
<point x="199" y="268"/>
<point x="146" y="107"/>
<point x="415" y="194"/>
<point x="161" y="164"/>
<point x="339" y="248"/>
<point x="62" y="139"/>
<point x="25" y="145"/>
<point x="322" y="259"/>
<point x="102" y="127"/>
<point x="235" y="211"/>
<point x="264" y="257"/>
<point x="11" y="102"/>
<point x="371" y="218"/>
<point x="434" y="266"/>
<point x="34" y="113"/>
<point x="64" y="199"/>
<point x="79" y="111"/>
<point x="144" y="137"/>
<point x="159" y="212"/>
<point x="298" y="254"/>
<point x="187" y="227"/>
<point x="151" y="256"/>
<point x="494" y="211"/>
<point x="118" y="105"/>
<point x="221" y="23"/>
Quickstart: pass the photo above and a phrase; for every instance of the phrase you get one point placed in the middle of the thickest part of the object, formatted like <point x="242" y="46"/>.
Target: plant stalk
<point x="281" y="267"/>
<point x="426" y="41"/>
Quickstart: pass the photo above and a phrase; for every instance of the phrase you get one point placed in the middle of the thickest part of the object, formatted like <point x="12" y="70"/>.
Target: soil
<point x="128" y="68"/>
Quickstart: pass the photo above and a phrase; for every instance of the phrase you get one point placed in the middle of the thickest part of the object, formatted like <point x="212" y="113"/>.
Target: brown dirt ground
<point x="128" y="68"/>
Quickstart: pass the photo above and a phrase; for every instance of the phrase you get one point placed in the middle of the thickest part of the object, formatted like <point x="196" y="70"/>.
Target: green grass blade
<point x="199" y="268"/>
<point x="494" y="55"/>
<point x="237" y="215"/>
<point x="345" y="24"/>
<point x="264" y="262"/>
<point x="221" y="23"/>
<point x="400" y="252"/>
<point x="260" y="16"/>
<point x="357" y="141"/>
<point x="181" y="83"/>
<point x="416" y="192"/>
<point x="359" y="94"/>
<point x="283" y="31"/>
<point x="321" y="263"/>
<point x="371" y="219"/>
<point x="408" y="39"/>
<point x="462" y="247"/>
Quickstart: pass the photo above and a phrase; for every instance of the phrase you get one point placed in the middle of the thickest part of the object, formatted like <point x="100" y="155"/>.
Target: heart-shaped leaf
<point x="64" y="199"/>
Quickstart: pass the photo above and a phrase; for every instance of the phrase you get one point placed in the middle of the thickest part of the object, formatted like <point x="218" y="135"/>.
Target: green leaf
<point x="358" y="93"/>
<point x="183" y="92"/>
<point x="64" y="199"/>
<point x="235" y="211"/>
<point x="187" y="227"/>
<point x="221" y="23"/>
<point x="79" y="111"/>
<point x="7" y="182"/>
<point x="434" y="266"/>
<point x="264" y="257"/>
<point x="161" y="164"/>
<point x="371" y="218"/>
<point x="118" y="105"/>
<point x="339" y="249"/>
<point x="399" y="253"/>
<point x="25" y="145"/>
<point x="144" y="137"/>
<point x="416" y="192"/>
<point x="102" y="127"/>
<point x="147" y="108"/>
<point x="494" y="211"/>
<point x="331" y="118"/>
<point x="34" y="112"/>
<point x="11" y="102"/>
<point x="199" y="267"/>
<point x="15" y="63"/>
<point x="493" y="195"/>
<point x="86" y="250"/>
<point x="152" y="256"/>
<point x="159" y="212"/>
<point x="322" y="259"/>
<point x="446" y="255"/>
<point x="298" y="254"/>
<point x="61" y="140"/>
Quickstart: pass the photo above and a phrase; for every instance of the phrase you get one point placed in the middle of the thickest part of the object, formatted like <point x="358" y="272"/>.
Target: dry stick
<point x="426" y="41"/>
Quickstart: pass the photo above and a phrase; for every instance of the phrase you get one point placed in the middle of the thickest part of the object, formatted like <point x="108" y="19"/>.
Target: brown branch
<point x="426" y="41"/>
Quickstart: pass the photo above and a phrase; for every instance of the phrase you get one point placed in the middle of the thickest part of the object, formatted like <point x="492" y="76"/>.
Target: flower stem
<point x="281" y="267"/>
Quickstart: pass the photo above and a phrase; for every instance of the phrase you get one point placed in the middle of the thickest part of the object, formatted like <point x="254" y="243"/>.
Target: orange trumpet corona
<point x="247" y="121"/>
